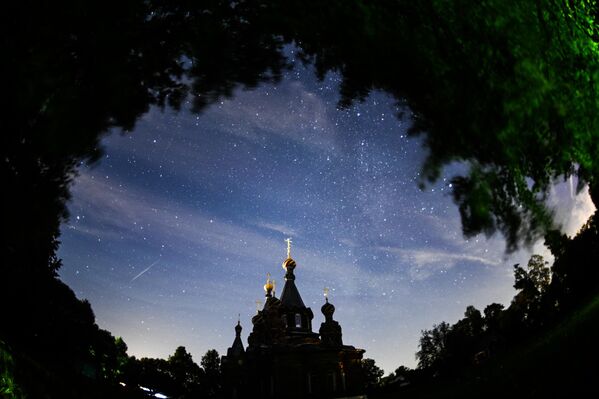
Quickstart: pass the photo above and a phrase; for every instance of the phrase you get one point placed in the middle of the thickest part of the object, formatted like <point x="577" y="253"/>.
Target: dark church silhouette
<point x="285" y="358"/>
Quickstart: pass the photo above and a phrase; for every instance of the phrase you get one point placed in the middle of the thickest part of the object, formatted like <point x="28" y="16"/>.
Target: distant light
<point x="145" y="389"/>
<point x="160" y="396"/>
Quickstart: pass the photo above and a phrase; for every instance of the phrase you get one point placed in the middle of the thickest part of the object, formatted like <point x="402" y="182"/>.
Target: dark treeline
<point x="507" y="87"/>
<point x="96" y="365"/>
<point x="176" y="377"/>
<point x="542" y="345"/>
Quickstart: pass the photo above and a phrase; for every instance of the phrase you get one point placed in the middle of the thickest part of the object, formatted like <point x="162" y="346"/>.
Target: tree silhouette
<point x="532" y="283"/>
<point x="187" y="375"/>
<point x="154" y="374"/>
<point x="211" y="364"/>
<point x="432" y="346"/>
<point x="575" y="276"/>
<point x="372" y="373"/>
<point x="553" y="318"/>
<point x="178" y="376"/>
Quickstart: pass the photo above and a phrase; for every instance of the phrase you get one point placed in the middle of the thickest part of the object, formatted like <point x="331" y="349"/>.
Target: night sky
<point x="172" y="233"/>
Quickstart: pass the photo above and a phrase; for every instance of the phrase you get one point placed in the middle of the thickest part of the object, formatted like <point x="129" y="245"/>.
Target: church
<point x="285" y="358"/>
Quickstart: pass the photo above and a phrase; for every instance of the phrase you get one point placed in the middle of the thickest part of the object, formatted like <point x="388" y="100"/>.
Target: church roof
<point x="237" y="348"/>
<point x="290" y="297"/>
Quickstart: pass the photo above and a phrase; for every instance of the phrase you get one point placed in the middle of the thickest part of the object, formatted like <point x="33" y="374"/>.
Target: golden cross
<point x="326" y="292"/>
<point x="288" y="248"/>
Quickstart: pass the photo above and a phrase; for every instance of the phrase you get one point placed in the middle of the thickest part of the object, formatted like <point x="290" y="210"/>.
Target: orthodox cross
<point x="288" y="240"/>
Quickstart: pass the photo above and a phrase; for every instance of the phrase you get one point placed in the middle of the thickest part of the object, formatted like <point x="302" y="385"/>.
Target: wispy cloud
<point x="133" y="213"/>
<point x="348" y="242"/>
<point x="251" y="114"/>
<point x="119" y="210"/>
<point x="280" y="228"/>
<point x="422" y="263"/>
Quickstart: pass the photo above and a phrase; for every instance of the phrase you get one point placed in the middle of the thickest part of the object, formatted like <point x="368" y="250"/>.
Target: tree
<point x="575" y="275"/>
<point x="535" y="279"/>
<point x="178" y="376"/>
<point x="463" y="340"/>
<point x="532" y="283"/>
<point x="121" y="355"/>
<point x="187" y="375"/>
<point x="153" y="374"/>
<point x="372" y="373"/>
<point x="9" y="386"/>
<point x="432" y="346"/>
<point x="540" y="323"/>
<point x="492" y="316"/>
<point x="211" y="364"/>
<point x="473" y="320"/>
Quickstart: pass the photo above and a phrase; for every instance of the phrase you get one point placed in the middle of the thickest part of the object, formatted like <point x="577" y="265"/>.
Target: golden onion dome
<point x="269" y="286"/>
<point x="289" y="264"/>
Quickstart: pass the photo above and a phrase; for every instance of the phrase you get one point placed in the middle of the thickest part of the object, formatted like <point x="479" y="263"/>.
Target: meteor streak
<point x="143" y="271"/>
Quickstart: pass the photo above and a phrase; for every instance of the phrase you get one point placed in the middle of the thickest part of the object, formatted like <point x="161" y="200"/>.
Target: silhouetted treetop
<point x="372" y="373"/>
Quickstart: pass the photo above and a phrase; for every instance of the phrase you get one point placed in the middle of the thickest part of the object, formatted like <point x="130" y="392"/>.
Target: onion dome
<point x="269" y="286"/>
<point x="327" y="310"/>
<point x="272" y="303"/>
<point x="238" y="329"/>
<point x="257" y="319"/>
<point x="289" y="265"/>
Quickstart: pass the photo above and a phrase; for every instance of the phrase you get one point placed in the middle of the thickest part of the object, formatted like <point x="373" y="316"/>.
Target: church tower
<point x="296" y="317"/>
<point x="285" y="358"/>
<point x="330" y="330"/>
<point x="234" y="369"/>
<point x="236" y="350"/>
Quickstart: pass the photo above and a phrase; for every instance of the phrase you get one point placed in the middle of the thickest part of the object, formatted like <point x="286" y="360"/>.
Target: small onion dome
<point x="272" y="302"/>
<point x="328" y="309"/>
<point x="257" y="319"/>
<point x="238" y="328"/>
<point x="289" y="265"/>
<point x="268" y="287"/>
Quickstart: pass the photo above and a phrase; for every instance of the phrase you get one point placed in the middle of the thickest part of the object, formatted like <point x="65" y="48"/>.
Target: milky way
<point x="172" y="233"/>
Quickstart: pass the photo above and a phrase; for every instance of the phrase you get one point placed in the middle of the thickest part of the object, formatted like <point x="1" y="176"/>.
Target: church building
<point x="285" y="358"/>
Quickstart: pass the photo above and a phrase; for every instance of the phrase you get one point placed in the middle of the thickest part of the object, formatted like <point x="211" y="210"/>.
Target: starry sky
<point x="172" y="233"/>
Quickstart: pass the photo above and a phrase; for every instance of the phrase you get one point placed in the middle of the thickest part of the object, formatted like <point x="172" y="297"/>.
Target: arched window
<point x="298" y="320"/>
